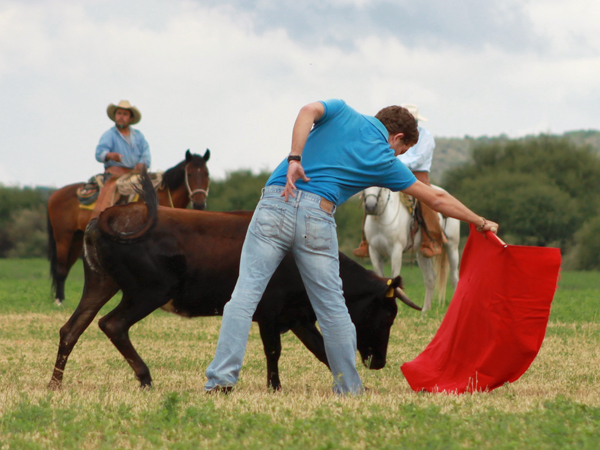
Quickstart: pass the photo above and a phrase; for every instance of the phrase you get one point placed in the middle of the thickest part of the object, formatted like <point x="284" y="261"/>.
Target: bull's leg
<point x="116" y="325"/>
<point x="269" y="333"/>
<point x="98" y="289"/>
<point x="310" y="336"/>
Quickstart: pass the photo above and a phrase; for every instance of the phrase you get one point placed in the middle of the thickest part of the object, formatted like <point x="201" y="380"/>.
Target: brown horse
<point x="185" y="183"/>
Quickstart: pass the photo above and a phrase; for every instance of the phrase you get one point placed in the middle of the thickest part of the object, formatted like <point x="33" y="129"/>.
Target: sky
<point x="231" y="75"/>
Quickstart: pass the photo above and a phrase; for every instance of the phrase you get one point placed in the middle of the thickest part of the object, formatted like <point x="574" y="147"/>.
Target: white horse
<point x="388" y="231"/>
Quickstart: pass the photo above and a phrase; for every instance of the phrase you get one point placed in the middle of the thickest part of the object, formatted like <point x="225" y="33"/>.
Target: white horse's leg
<point x="426" y="265"/>
<point x="453" y="260"/>
<point x="396" y="259"/>
<point x="376" y="260"/>
<point x="452" y="230"/>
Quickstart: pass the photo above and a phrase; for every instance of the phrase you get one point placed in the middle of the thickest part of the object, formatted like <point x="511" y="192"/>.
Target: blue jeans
<point x="278" y="227"/>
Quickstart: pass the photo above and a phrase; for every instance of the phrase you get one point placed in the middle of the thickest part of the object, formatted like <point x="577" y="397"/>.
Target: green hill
<point x="453" y="152"/>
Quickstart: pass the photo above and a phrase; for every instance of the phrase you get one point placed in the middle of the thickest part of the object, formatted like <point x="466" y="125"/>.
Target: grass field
<point x="556" y="404"/>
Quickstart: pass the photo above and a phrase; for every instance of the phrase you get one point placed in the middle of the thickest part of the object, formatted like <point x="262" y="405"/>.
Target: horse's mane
<point x="174" y="177"/>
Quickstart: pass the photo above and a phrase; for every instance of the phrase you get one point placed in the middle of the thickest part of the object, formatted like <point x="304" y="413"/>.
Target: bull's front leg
<point x="99" y="288"/>
<point x="310" y="336"/>
<point x="269" y="333"/>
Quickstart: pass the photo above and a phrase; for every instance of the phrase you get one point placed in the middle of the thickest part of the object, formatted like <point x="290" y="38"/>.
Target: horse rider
<point x="418" y="159"/>
<point x="122" y="149"/>
<point x="336" y="152"/>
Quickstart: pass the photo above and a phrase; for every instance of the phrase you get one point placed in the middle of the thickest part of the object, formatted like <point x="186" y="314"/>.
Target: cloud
<point x="468" y="24"/>
<point x="231" y="75"/>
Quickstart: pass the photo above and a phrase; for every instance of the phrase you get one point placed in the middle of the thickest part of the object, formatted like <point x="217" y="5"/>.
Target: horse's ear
<point x="206" y="155"/>
<point x="188" y="155"/>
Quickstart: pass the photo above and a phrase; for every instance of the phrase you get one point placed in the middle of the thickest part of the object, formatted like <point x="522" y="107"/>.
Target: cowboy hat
<point x="136" y="115"/>
<point x="414" y="111"/>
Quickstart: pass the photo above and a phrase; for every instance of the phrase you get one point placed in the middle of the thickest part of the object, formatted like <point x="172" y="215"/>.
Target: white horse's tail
<point x="442" y="269"/>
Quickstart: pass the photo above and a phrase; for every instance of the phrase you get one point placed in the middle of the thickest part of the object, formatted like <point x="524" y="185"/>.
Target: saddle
<point x="88" y="193"/>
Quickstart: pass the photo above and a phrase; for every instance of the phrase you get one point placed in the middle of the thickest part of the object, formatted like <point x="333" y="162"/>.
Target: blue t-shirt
<point x="345" y="153"/>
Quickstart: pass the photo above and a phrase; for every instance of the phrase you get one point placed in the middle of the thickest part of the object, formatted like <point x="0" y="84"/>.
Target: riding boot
<point x="105" y="197"/>
<point x="107" y="193"/>
<point x="433" y="235"/>
<point x="362" y="251"/>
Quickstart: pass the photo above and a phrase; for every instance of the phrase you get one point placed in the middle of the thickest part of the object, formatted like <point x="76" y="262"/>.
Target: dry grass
<point x="178" y="351"/>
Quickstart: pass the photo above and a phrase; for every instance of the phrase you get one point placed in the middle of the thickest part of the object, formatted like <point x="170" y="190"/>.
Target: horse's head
<point x="197" y="178"/>
<point x="371" y="199"/>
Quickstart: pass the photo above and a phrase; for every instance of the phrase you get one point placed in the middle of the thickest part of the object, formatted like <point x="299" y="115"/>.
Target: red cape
<point x="496" y="322"/>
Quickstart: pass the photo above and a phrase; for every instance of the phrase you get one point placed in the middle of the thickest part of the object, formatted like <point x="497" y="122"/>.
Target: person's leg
<point x="316" y="254"/>
<point x="107" y="193"/>
<point x="264" y="247"/>
<point x="432" y="235"/>
<point x="363" y="248"/>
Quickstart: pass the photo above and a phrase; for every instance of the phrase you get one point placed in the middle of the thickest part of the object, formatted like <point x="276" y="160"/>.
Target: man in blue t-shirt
<point x="336" y="152"/>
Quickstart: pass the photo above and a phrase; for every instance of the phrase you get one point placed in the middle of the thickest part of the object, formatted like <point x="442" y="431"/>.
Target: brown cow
<point x="187" y="262"/>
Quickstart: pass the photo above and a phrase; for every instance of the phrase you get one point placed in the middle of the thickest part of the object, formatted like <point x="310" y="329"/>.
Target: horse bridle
<point x="377" y="202"/>
<point x="195" y="191"/>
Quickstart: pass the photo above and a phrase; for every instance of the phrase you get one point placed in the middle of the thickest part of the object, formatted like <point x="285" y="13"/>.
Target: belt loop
<point x="262" y="193"/>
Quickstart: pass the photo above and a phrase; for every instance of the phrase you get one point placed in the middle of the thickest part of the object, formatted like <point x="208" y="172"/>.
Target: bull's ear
<point x="206" y="155"/>
<point x="188" y="155"/>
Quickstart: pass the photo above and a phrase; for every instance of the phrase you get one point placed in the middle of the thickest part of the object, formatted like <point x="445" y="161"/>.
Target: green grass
<point x="556" y="404"/>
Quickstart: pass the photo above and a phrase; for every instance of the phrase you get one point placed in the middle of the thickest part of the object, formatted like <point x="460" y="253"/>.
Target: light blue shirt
<point x="345" y="153"/>
<point x="418" y="158"/>
<point x="133" y="152"/>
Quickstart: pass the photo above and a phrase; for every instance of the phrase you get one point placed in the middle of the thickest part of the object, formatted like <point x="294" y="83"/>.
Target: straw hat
<point x="414" y="111"/>
<point x="136" y="115"/>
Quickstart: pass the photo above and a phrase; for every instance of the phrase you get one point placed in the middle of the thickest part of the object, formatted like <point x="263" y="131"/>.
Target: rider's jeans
<point x="278" y="227"/>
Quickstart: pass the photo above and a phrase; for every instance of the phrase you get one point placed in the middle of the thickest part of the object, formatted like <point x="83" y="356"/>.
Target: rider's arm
<point x="443" y="202"/>
<point x="105" y="146"/>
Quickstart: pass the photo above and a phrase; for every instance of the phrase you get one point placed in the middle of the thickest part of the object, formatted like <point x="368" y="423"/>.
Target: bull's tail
<point x="52" y="254"/>
<point x="442" y="269"/>
<point x="127" y="223"/>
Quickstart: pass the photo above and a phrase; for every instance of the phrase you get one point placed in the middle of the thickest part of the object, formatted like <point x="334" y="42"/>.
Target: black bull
<point x="187" y="262"/>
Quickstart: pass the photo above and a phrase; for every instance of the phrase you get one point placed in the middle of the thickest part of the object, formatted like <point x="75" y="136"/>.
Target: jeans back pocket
<point x="319" y="233"/>
<point x="269" y="220"/>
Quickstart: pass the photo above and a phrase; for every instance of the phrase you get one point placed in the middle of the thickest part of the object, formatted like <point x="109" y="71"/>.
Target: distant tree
<point x="586" y="254"/>
<point x="12" y="201"/>
<point x="27" y="233"/>
<point x="539" y="189"/>
<point x="239" y="191"/>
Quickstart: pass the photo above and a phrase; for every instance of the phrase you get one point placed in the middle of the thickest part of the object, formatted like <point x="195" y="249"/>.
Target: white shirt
<point x="418" y="158"/>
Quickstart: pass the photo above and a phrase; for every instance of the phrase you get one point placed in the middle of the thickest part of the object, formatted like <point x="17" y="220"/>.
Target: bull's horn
<point x="402" y="296"/>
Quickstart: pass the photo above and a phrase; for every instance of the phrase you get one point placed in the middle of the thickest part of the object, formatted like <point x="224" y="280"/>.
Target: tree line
<point x="542" y="190"/>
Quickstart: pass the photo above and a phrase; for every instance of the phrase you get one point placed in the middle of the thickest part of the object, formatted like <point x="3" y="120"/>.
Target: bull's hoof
<point x="58" y="302"/>
<point x="54" y="385"/>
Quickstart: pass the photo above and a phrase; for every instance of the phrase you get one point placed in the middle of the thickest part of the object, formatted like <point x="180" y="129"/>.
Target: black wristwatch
<point x="294" y="158"/>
